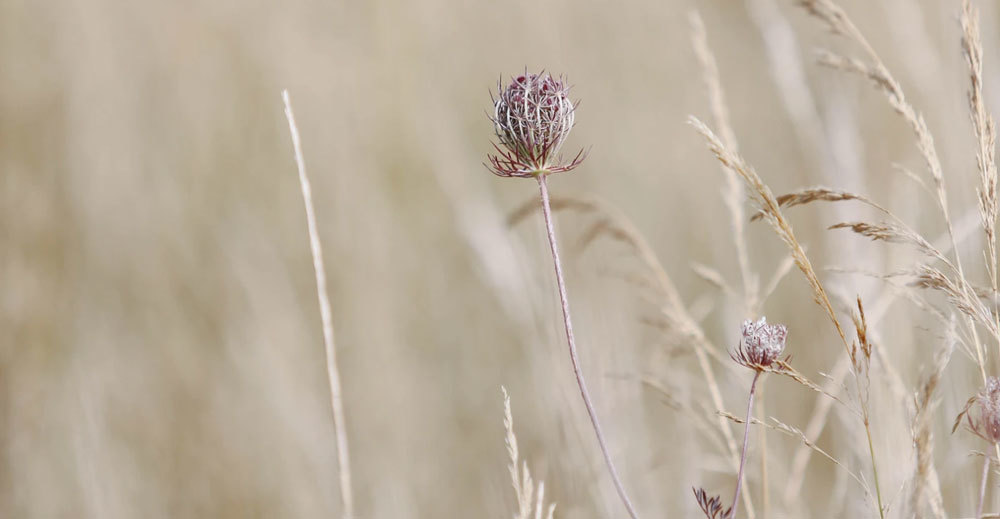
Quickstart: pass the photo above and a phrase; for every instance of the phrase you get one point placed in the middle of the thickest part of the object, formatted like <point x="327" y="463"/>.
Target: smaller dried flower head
<point x="761" y="344"/>
<point x="532" y="117"/>
<point x="983" y="412"/>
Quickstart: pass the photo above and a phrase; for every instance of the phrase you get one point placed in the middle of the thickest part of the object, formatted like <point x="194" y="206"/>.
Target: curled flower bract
<point x="983" y="412"/>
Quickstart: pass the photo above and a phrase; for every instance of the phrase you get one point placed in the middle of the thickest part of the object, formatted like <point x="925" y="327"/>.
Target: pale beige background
<point x="160" y="343"/>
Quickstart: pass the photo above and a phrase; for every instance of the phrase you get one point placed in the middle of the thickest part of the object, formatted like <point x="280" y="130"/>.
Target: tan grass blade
<point x="332" y="371"/>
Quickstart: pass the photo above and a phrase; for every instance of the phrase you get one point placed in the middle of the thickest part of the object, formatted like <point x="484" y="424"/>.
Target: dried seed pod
<point x="982" y="412"/>
<point x="761" y="344"/>
<point x="532" y="117"/>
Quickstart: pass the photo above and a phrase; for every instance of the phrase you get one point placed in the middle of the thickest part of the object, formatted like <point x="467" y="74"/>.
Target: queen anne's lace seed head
<point x="532" y="117"/>
<point x="986" y="408"/>
<point x="761" y="344"/>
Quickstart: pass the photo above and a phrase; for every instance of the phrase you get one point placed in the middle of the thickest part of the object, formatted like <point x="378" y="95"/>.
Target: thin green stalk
<point x="871" y="451"/>
<point x="982" y="487"/>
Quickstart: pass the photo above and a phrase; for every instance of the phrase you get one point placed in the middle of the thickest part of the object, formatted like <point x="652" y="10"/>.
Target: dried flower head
<point x="711" y="506"/>
<point x="532" y="117"/>
<point x="761" y="344"/>
<point x="986" y="406"/>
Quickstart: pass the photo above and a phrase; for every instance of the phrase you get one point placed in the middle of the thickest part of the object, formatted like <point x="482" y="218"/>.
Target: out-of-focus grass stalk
<point x="333" y="373"/>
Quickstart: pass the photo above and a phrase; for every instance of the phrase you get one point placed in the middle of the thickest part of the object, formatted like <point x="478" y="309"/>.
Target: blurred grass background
<point x="160" y="345"/>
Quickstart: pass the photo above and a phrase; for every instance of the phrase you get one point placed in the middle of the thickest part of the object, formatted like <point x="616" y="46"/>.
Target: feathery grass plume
<point x="733" y="196"/>
<point x="819" y="194"/>
<point x="530" y="498"/>
<point x="926" y="494"/>
<point x="875" y="70"/>
<point x="838" y="22"/>
<point x="532" y="118"/>
<point x="985" y="131"/>
<point x="823" y="406"/>
<point x="332" y="371"/>
<point x="891" y="233"/>
<point x="768" y="204"/>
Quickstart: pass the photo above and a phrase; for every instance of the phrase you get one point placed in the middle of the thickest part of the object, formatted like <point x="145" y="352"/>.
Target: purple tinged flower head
<point x="761" y="344"/>
<point x="532" y="117"/>
<point x="987" y="406"/>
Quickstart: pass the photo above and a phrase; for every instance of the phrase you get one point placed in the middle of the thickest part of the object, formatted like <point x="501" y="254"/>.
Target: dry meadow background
<point x="161" y="352"/>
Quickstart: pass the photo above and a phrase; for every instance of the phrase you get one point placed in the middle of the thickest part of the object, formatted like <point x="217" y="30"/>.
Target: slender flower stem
<point x="746" y="437"/>
<point x="567" y="321"/>
<point x="332" y="372"/>
<point x="982" y="487"/>
<point x="871" y="451"/>
<point x="764" y="491"/>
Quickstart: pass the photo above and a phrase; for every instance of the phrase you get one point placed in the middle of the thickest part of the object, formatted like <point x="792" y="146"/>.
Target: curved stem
<point x="871" y="451"/>
<point x="567" y="321"/>
<point x="982" y="487"/>
<point x="743" y="457"/>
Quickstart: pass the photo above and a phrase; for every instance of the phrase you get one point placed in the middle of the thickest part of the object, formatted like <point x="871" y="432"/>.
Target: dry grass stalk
<point x="962" y="296"/>
<point x="985" y="131"/>
<point x="784" y="268"/>
<point x="616" y="226"/>
<point x="814" y="427"/>
<point x="806" y="442"/>
<point x="875" y="70"/>
<point x="530" y="498"/>
<point x="530" y="207"/>
<point x="819" y="194"/>
<point x="823" y="406"/>
<point x="734" y="188"/>
<point x="926" y="494"/>
<point x="706" y="420"/>
<point x="784" y="368"/>
<point x="332" y="371"/>
<point x="712" y="276"/>
<point x="769" y="205"/>
<point x="892" y="233"/>
<point x="862" y="374"/>
<point x="766" y="201"/>
<point x="611" y="223"/>
<point x="959" y="291"/>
